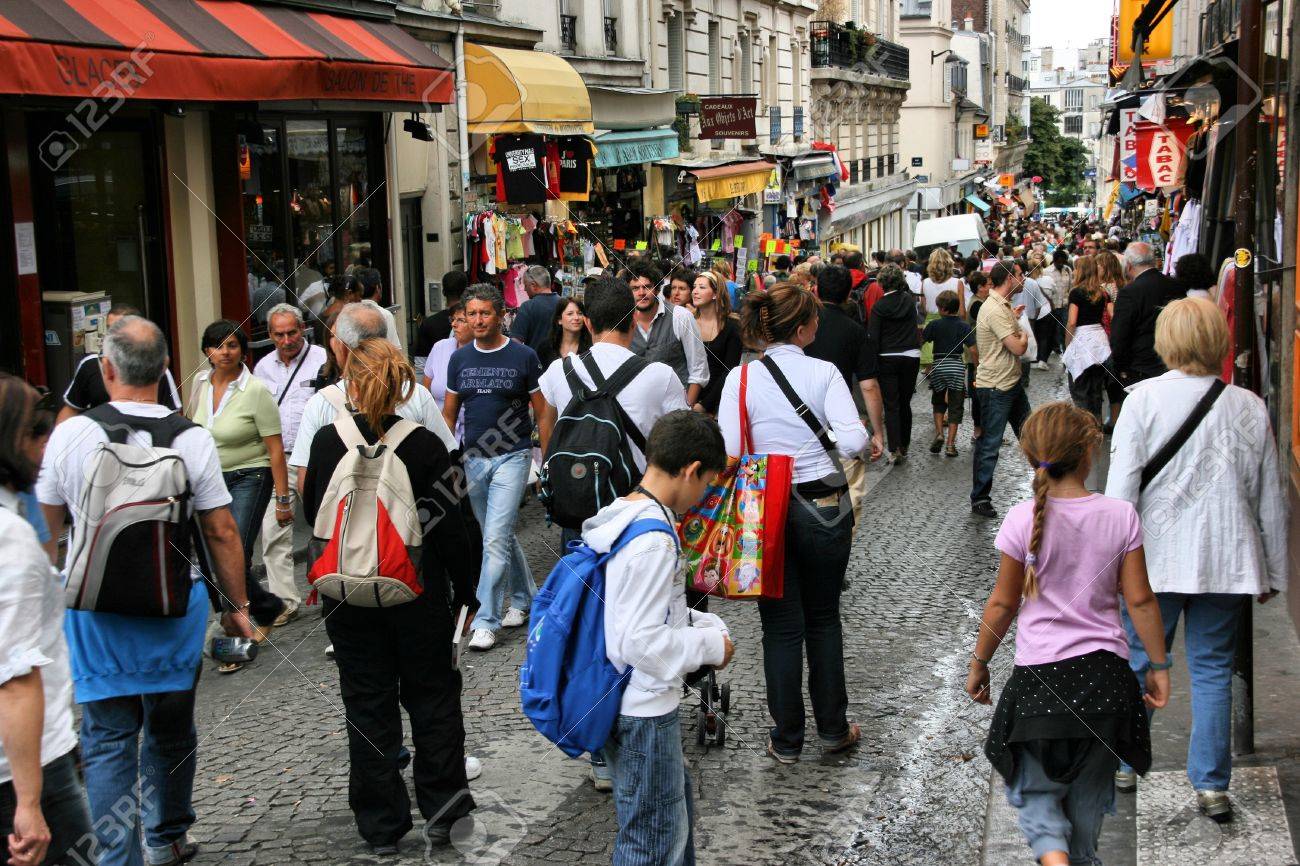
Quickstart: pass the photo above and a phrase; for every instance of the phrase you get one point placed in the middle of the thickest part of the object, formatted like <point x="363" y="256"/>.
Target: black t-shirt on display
<point x="522" y="160"/>
<point x="1090" y="312"/>
<point x="575" y="164"/>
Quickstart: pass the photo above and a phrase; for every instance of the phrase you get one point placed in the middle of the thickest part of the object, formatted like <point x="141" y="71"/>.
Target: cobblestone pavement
<point x="272" y="776"/>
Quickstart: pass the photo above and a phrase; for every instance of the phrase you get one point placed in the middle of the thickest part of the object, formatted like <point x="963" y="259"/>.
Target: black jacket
<point x="1133" y="324"/>
<point x="893" y="325"/>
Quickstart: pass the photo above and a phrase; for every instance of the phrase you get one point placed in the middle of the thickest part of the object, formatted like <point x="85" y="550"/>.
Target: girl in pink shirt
<point x="1072" y="708"/>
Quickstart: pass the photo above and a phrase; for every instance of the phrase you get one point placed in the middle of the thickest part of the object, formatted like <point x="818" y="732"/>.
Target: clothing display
<point x="521" y="168"/>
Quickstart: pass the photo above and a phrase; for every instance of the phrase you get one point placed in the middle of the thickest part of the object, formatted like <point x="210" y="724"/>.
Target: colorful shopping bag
<point x="734" y="540"/>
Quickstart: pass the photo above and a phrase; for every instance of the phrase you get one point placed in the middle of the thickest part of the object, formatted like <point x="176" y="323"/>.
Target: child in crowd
<point x="950" y="335"/>
<point x="648" y="627"/>
<point x="1072" y="708"/>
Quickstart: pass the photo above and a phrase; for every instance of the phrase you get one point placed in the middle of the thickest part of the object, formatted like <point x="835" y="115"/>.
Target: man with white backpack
<point x="136" y="476"/>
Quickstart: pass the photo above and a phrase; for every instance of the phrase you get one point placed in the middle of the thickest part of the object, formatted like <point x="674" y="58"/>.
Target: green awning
<point x="633" y="147"/>
<point x="978" y="202"/>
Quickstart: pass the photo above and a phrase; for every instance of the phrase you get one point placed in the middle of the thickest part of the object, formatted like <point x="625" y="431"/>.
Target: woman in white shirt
<point x="1214" y="520"/>
<point x="43" y="812"/>
<point x="939" y="279"/>
<point x="819" y="528"/>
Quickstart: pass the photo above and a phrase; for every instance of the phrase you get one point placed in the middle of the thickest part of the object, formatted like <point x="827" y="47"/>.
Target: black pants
<point x="388" y="656"/>
<point x="897" y="385"/>
<point x="1087" y="390"/>
<point x="63" y="804"/>
<point x="817" y="542"/>
<point x="1045" y="331"/>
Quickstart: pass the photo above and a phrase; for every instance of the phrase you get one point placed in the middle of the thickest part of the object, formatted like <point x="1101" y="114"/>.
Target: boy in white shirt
<point x="649" y="627"/>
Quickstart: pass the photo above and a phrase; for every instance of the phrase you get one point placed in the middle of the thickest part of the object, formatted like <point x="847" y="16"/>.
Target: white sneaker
<point x="514" y="618"/>
<point x="1040" y="365"/>
<point x="329" y="651"/>
<point x="483" y="639"/>
<point x="473" y="768"/>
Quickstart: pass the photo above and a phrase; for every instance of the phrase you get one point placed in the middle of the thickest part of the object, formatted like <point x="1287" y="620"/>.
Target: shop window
<point x="568" y="26"/>
<point x="611" y="27"/>
<point x="311" y="211"/>
<point x="352" y="145"/>
<point x="261" y="170"/>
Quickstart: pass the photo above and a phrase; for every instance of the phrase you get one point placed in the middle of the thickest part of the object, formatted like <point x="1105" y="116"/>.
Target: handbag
<point x="733" y="541"/>
<point x="1182" y="434"/>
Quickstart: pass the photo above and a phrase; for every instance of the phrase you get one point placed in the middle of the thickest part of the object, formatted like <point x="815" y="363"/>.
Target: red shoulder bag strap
<point x="745" y="440"/>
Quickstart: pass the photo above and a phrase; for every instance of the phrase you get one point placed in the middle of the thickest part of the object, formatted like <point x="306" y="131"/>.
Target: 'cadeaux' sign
<point x="727" y="116"/>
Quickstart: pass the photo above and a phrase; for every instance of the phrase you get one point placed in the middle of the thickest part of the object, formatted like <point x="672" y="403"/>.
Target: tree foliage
<point x="1058" y="159"/>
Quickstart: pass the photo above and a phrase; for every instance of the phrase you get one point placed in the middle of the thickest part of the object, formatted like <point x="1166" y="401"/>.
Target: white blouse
<point x="1215" y="518"/>
<point x="773" y="423"/>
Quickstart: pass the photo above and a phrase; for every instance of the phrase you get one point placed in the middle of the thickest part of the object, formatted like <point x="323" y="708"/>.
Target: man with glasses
<point x="290" y="374"/>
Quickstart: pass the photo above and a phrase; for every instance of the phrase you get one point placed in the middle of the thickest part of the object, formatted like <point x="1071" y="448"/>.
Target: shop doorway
<point x="414" y="300"/>
<point x="98" y="216"/>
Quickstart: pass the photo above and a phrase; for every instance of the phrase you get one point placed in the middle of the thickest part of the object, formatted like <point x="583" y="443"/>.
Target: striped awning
<point x="211" y="51"/>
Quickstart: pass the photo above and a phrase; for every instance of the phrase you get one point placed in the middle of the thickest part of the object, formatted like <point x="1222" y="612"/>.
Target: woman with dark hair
<point x="720" y="333"/>
<point x="569" y="334"/>
<point x="1196" y="273"/>
<point x="43" y="811"/>
<point x="819" y="527"/>
<point x="244" y="420"/>
<point x="894" y="343"/>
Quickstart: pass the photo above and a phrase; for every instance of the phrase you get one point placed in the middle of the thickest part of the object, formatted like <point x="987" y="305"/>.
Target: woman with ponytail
<point x="782" y="321"/>
<point x="399" y="653"/>
<point x="1072" y="708"/>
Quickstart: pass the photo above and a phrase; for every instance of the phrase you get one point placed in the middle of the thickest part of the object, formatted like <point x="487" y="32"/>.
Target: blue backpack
<point x="569" y="689"/>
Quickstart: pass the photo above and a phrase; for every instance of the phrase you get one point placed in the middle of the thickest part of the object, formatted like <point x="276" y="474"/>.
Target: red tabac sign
<point x="728" y="116"/>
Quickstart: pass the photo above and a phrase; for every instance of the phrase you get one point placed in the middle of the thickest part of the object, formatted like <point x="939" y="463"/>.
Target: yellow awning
<point x="509" y="90"/>
<point x="731" y="181"/>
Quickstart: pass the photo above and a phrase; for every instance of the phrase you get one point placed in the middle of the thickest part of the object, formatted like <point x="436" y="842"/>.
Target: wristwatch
<point x="1161" y="666"/>
<point x="284" y="500"/>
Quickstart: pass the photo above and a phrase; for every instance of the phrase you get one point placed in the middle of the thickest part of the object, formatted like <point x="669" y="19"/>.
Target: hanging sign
<point x="1160" y="150"/>
<point x="1128" y="120"/>
<point x="728" y="117"/>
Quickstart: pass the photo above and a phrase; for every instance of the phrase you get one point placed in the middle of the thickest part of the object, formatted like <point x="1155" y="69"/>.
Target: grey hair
<point x="538" y="276"/>
<point x="484" y="292"/>
<point x="137" y="350"/>
<point x="285" y="310"/>
<point x="1139" y="255"/>
<point x="359" y="321"/>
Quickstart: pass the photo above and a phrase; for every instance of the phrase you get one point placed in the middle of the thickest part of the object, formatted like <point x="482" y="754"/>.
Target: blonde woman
<point x="939" y="279"/>
<point x="1210" y="547"/>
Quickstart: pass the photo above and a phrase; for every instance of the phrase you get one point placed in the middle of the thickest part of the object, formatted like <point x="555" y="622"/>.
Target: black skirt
<point x="1062" y="710"/>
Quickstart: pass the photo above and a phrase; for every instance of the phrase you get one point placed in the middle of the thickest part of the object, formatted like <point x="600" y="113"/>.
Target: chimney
<point x="968" y="24"/>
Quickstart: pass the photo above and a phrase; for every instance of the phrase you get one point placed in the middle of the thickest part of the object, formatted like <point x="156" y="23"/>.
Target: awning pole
<point x="462" y="131"/>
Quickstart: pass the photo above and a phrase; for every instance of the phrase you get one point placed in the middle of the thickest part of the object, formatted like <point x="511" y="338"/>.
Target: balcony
<point x="1219" y="23"/>
<point x="569" y="33"/>
<point x="1016" y="84"/>
<point x="843" y="46"/>
<point x="611" y="36"/>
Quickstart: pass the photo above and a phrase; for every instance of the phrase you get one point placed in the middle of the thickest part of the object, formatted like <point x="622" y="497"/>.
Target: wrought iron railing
<point x="846" y="47"/>
<point x="1016" y="83"/>
<point x="611" y="35"/>
<point x="569" y="32"/>
<point x="1219" y="23"/>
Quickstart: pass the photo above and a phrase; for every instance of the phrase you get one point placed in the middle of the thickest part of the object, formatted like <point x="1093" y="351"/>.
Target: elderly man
<point x="532" y="325"/>
<point x="1133" y="324"/>
<point x="289" y="373"/>
<point x="135" y="676"/>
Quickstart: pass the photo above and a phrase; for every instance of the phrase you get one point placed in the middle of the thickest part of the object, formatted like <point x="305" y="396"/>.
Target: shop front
<point x="530" y="126"/>
<point x="194" y="160"/>
<point x="712" y="209"/>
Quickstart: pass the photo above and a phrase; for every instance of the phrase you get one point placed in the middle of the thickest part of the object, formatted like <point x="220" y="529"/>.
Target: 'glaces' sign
<point x="727" y="116"/>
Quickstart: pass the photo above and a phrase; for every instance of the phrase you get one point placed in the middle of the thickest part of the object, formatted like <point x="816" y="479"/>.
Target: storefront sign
<point x="727" y="117"/>
<point x="1160" y="150"/>
<point x="772" y="192"/>
<point x="1006" y="181"/>
<point x="981" y="131"/>
<point x="612" y="152"/>
<point x="1128" y="119"/>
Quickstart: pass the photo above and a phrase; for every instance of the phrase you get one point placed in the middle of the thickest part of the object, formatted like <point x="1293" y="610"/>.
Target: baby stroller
<point x="714" y="707"/>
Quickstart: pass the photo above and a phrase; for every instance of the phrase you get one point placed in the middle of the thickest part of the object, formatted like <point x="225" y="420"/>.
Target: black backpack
<point x="589" y="463"/>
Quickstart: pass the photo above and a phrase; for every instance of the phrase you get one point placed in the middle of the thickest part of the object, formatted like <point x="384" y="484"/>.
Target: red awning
<point x="211" y="50"/>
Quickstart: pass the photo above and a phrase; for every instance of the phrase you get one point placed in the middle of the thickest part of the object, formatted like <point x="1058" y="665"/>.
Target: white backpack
<point x="134" y="521"/>
<point x="366" y="542"/>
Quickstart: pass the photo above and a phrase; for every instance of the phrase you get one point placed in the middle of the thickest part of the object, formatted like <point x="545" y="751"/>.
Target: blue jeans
<point x="250" y="490"/>
<point x="496" y="484"/>
<point x="996" y="409"/>
<point x="1064" y="817"/>
<point x="147" y="740"/>
<point x="63" y="803"/>
<point x="652" y="793"/>
<point x="1210" y="639"/>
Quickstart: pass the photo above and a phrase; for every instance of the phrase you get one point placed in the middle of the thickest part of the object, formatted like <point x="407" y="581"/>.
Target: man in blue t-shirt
<point x="496" y="380"/>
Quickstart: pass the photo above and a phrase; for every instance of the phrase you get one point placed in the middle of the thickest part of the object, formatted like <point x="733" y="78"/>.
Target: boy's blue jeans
<point x="496" y="484"/>
<point x="1210" y="638"/>
<point x="144" y="739"/>
<point x="652" y="794"/>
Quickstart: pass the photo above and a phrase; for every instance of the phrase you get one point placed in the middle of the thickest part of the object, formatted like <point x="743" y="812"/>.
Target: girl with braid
<point x="1072" y="709"/>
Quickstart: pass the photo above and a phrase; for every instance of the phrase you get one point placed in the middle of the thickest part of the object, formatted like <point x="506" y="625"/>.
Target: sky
<point x="1067" y="25"/>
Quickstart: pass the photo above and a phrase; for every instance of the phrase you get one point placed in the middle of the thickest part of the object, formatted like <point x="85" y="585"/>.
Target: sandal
<point x="950" y="451"/>
<point x="230" y="667"/>
<point x="845" y="742"/>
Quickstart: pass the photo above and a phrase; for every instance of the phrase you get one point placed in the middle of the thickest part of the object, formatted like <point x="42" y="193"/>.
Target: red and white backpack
<point x="366" y="542"/>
